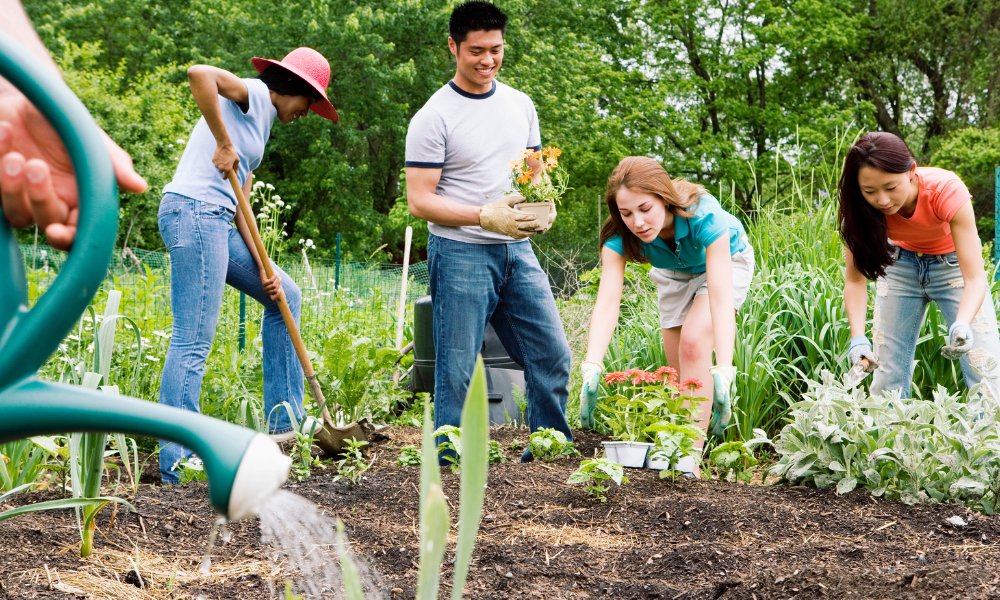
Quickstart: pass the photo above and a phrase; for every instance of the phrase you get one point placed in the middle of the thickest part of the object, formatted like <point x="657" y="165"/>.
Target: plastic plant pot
<point x="541" y="211"/>
<point x="652" y="462"/>
<point x="627" y="454"/>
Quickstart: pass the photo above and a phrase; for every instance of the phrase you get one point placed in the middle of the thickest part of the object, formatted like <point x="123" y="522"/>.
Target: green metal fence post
<point x="243" y="321"/>
<point x="996" y="220"/>
<point x="336" y="269"/>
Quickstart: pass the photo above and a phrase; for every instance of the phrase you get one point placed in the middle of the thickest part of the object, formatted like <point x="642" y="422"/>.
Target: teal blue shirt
<point x="692" y="235"/>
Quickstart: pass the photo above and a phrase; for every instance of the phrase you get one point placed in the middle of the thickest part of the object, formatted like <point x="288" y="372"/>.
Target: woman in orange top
<point x="913" y="231"/>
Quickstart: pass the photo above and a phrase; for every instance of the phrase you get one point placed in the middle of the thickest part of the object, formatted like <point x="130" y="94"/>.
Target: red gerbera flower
<point x="691" y="383"/>
<point x="616" y="377"/>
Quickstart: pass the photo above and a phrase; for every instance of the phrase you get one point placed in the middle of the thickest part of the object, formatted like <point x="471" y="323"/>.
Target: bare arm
<point x="970" y="260"/>
<point x="855" y="296"/>
<point x="426" y="204"/>
<point x="604" y="319"/>
<point x="16" y="24"/>
<point x="719" y="271"/>
<point x="207" y="84"/>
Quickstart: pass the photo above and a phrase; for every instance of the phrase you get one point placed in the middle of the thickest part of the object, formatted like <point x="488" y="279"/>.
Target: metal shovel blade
<point x="857" y="374"/>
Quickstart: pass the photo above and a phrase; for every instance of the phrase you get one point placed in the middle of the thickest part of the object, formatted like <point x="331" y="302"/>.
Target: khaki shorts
<point x="676" y="291"/>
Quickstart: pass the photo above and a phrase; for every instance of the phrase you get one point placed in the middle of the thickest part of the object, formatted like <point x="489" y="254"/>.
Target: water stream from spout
<point x="206" y="559"/>
<point x="304" y="541"/>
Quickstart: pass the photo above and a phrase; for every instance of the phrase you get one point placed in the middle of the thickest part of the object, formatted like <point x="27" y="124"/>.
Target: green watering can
<point x="244" y="468"/>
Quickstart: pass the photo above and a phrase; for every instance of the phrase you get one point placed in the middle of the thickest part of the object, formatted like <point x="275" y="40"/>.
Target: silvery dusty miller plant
<point x="937" y="450"/>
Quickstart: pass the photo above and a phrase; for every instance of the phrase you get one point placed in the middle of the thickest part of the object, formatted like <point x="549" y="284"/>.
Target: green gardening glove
<point x="591" y="374"/>
<point x="722" y="403"/>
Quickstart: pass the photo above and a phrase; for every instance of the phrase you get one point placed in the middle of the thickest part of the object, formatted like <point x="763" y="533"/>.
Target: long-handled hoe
<point x="330" y="438"/>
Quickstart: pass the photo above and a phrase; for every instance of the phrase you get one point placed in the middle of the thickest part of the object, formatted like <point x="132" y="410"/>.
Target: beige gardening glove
<point x="552" y="217"/>
<point x="500" y="217"/>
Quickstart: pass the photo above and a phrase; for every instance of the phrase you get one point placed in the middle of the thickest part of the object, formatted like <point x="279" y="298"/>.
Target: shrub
<point x="913" y="450"/>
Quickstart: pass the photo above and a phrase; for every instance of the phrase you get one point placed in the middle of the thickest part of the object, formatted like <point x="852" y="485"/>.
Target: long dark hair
<point x="282" y="81"/>
<point x="862" y="227"/>
<point x="643" y="174"/>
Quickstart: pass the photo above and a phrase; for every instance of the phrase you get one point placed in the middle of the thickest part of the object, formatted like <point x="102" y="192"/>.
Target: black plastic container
<point x="503" y="375"/>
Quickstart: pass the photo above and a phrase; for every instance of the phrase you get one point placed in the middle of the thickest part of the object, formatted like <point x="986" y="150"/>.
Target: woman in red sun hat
<point x="206" y="252"/>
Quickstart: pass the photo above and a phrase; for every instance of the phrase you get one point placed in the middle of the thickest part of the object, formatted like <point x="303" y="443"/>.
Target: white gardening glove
<point x="591" y="374"/>
<point x="500" y="217"/>
<point x="861" y="348"/>
<point x="552" y="217"/>
<point x="722" y="401"/>
<point x="960" y="341"/>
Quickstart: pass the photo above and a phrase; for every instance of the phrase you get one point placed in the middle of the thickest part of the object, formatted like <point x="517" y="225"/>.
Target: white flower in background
<point x="301" y="241"/>
<point x="152" y="358"/>
<point x="161" y="334"/>
<point x="181" y="141"/>
<point x="259" y="184"/>
<point x="280" y="203"/>
<point x="310" y="244"/>
<point x="276" y="198"/>
<point x="63" y="347"/>
<point x="269" y="186"/>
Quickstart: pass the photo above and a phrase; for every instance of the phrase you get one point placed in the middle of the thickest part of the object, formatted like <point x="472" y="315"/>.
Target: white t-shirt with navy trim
<point x="196" y="177"/>
<point x="472" y="138"/>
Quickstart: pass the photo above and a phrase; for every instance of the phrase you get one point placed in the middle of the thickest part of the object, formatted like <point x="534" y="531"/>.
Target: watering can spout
<point x="244" y="468"/>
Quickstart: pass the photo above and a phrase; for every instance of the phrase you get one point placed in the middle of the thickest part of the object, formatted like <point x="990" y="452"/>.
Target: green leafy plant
<point x="192" y="469"/>
<point x="912" y="450"/>
<point x="548" y="444"/>
<point x="734" y="461"/>
<point x="451" y="450"/>
<point x="595" y="472"/>
<point x="354" y="369"/>
<point x="643" y="402"/>
<point x="409" y="456"/>
<point x="354" y="464"/>
<point x="495" y="453"/>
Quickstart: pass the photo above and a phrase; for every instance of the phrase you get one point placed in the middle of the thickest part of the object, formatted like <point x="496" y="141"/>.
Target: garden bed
<point x="539" y="538"/>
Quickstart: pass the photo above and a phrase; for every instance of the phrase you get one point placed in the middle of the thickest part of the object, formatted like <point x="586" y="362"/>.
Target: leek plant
<point x="434" y="519"/>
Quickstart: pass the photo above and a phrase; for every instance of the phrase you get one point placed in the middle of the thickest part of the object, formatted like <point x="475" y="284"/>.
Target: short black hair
<point x="282" y="81"/>
<point x="475" y="15"/>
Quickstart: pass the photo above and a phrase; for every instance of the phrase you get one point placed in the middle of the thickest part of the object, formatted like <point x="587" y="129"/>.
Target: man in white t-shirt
<point x="482" y="268"/>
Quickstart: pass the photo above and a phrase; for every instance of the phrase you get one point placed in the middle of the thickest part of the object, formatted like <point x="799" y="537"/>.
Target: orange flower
<point x="515" y="165"/>
<point x="552" y="152"/>
<point x="525" y="176"/>
<point x="550" y="162"/>
<point x="691" y="383"/>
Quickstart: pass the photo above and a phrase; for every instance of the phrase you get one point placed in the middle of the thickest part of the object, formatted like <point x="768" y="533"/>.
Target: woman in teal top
<point x="702" y="266"/>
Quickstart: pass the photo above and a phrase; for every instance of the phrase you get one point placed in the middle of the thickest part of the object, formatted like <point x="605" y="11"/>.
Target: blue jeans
<point x="503" y="284"/>
<point x="901" y="299"/>
<point x="207" y="252"/>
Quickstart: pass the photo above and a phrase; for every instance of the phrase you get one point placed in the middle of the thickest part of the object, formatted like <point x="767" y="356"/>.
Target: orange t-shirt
<point x="928" y="229"/>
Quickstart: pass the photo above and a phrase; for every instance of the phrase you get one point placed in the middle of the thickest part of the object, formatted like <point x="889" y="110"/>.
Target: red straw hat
<point x="310" y="66"/>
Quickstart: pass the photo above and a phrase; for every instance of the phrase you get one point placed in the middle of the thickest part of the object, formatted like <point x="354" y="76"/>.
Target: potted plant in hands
<point x="541" y="198"/>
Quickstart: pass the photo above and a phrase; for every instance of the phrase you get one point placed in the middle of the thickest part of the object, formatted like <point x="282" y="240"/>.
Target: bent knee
<point x="694" y="350"/>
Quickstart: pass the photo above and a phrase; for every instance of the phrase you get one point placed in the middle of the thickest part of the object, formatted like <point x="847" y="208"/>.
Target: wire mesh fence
<point x="369" y="290"/>
<point x="372" y="289"/>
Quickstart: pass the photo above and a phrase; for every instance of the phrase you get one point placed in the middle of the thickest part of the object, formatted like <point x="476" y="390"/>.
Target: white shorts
<point x="676" y="291"/>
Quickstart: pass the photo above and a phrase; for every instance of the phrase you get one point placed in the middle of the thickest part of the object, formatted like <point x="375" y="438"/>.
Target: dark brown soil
<point x="542" y="538"/>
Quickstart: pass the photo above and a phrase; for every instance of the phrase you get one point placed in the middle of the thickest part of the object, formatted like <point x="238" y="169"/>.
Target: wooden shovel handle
<point x="286" y="312"/>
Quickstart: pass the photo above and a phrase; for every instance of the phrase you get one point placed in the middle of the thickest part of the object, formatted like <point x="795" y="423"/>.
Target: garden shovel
<point x="857" y="373"/>
<point x="330" y="439"/>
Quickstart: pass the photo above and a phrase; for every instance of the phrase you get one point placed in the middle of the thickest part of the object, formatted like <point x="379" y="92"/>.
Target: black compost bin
<point x="503" y="375"/>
